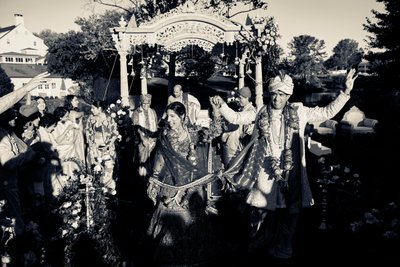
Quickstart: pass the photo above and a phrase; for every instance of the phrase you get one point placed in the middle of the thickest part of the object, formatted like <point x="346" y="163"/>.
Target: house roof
<point x="25" y="70"/>
<point x="11" y="53"/>
<point x="29" y="48"/>
<point x="5" y="30"/>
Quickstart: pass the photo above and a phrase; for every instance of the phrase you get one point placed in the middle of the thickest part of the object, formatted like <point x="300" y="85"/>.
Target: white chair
<point x="327" y="127"/>
<point x="355" y="122"/>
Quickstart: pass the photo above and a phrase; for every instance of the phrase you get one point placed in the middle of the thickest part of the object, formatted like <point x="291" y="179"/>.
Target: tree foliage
<point x="345" y="55"/>
<point x="145" y="10"/>
<point x="6" y="85"/>
<point x="87" y="54"/>
<point x="307" y="57"/>
<point x="383" y="29"/>
<point x="48" y="36"/>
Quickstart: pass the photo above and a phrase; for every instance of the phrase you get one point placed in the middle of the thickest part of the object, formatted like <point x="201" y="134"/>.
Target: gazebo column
<point x="124" y="77"/>
<point x="242" y="62"/>
<point x="143" y="80"/>
<point x="259" y="83"/>
<point x="241" y="73"/>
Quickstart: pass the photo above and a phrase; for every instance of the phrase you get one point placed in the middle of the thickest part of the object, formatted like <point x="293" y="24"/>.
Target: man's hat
<point x="244" y="91"/>
<point x="281" y="83"/>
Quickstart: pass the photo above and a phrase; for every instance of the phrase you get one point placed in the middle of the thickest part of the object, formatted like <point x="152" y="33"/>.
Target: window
<point x="28" y="60"/>
<point x="46" y="86"/>
<point x="40" y="86"/>
<point x="19" y="59"/>
<point x="53" y="85"/>
<point x="34" y="43"/>
<point x="9" y="59"/>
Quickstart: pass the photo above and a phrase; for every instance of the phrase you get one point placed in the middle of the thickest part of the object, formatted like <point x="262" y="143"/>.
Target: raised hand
<point x="35" y="81"/>
<point x="351" y="77"/>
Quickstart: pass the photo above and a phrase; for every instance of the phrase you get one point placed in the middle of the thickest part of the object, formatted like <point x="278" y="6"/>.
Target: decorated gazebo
<point x="187" y="24"/>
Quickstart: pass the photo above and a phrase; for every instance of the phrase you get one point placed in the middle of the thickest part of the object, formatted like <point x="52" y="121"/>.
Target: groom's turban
<point x="281" y="83"/>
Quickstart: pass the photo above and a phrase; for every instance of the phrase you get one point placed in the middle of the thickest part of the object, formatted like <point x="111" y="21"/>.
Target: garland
<point x="280" y="166"/>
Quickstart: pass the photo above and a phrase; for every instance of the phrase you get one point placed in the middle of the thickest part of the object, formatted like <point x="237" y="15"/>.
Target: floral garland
<point x="291" y="123"/>
<point x="83" y="207"/>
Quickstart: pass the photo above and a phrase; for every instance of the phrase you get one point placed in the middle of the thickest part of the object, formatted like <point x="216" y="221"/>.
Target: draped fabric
<point x="145" y="126"/>
<point x="244" y="168"/>
<point x="250" y="174"/>
<point x="178" y="166"/>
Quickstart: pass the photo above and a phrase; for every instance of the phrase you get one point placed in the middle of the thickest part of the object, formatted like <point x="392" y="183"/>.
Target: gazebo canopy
<point x="187" y="24"/>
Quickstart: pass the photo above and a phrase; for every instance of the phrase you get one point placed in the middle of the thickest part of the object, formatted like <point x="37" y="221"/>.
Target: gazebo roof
<point x="185" y="25"/>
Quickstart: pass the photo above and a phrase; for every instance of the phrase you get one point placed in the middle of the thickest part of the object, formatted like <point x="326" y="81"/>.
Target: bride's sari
<point x="180" y="227"/>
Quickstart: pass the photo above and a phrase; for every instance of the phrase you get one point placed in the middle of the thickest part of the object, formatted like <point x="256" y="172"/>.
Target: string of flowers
<point x="83" y="208"/>
<point x="120" y="114"/>
<point x="291" y="122"/>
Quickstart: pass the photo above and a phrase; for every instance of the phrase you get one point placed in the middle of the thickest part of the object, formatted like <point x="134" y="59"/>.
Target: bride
<point x="180" y="227"/>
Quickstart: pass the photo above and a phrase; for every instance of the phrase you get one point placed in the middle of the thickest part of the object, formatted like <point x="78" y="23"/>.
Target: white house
<point x="22" y="56"/>
<point x="17" y="38"/>
<point x="20" y="74"/>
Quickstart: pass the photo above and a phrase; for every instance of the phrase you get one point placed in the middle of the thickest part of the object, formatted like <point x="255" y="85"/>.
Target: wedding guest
<point x="191" y="103"/>
<point x="239" y="124"/>
<point x="144" y="121"/>
<point x="14" y="155"/>
<point x="101" y="135"/>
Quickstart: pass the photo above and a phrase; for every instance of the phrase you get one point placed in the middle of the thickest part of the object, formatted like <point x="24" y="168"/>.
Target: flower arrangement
<point x="386" y="219"/>
<point x="344" y="179"/>
<point x="215" y="129"/>
<point x="263" y="35"/>
<point x="121" y="116"/>
<point x="7" y="233"/>
<point x="84" y="210"/>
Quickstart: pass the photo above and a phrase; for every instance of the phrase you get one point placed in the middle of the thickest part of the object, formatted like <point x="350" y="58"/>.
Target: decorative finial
<point x="122" y="22"/>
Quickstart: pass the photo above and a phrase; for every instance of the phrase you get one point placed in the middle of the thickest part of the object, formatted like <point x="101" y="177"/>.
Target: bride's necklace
<point x="176" y="136"/>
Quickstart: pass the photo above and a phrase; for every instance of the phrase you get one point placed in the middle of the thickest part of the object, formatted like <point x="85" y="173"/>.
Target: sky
<point x="328" y="20"/>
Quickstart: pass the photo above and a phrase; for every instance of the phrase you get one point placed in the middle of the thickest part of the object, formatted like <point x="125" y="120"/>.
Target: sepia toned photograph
<point x="199" y="133"/>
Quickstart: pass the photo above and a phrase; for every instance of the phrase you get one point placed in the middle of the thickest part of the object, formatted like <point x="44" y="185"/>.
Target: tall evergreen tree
<point x="384" y="28"/>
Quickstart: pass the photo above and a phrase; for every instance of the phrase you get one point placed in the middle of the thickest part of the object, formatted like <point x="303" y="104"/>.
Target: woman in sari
<point x="180" y="228"/>
<point x="101" y="135"/>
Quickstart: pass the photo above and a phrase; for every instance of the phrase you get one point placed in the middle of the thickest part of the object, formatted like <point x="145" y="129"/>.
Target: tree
<point x="6" y="85"/>
<point x="85" y="55"/>
<point x="384" y="28"/>
<point x="144" y="10"/>
<point x="307" y="57"/>
<point x="48" y="36"/>
<point x="346" y="54"/>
